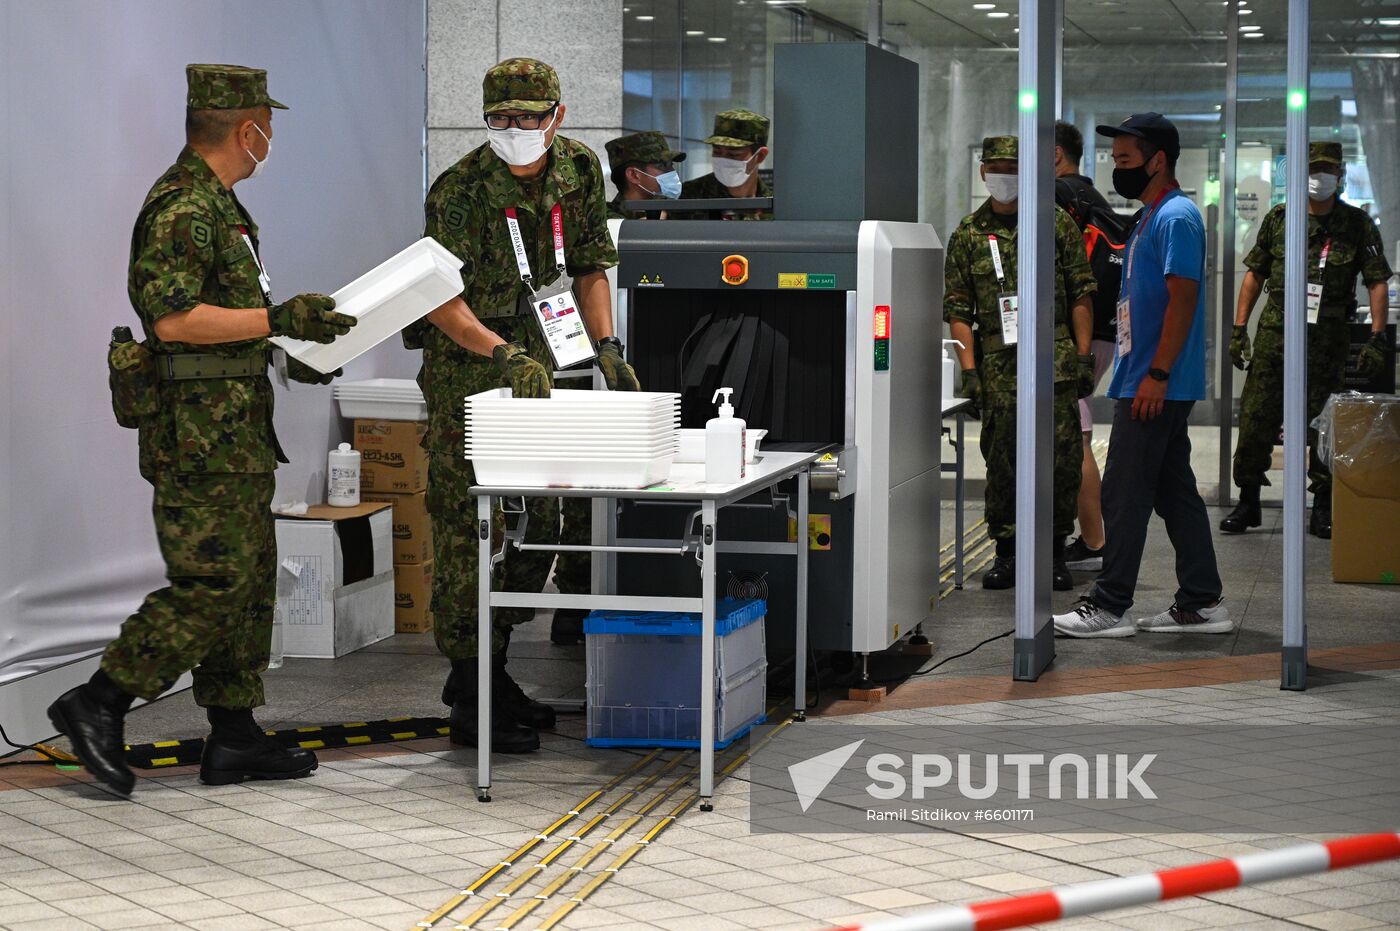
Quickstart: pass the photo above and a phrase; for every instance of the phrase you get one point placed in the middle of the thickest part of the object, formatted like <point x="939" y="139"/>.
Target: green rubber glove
<point x="1087" y="381"/>
<point x="527" y="378"/>
<point x="1371" y="360"/>
<point x="310" y="317"/>
<point x="971" y="388"/>
<point x="1239" y="347"/>
<point x="618" y="375"/>
<point x="300" y="371"/>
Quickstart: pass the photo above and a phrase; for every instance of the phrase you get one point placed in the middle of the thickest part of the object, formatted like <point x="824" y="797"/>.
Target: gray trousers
<point x="1149" y="469"/>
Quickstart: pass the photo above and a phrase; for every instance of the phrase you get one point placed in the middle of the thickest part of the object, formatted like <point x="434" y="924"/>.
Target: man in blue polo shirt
<point x="1159" y="374"/>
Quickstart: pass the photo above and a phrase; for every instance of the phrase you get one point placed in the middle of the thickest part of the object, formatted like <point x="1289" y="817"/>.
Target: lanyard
<point x="1142" y="224"/>
<point x="996" y="260"/>
<point x="263" y="281"/>
<point x="1326" y="248"/>
<point x="517" y="242"/>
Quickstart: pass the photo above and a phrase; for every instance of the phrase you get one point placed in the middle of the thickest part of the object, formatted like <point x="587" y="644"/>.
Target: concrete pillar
<point x="582" y="39"/>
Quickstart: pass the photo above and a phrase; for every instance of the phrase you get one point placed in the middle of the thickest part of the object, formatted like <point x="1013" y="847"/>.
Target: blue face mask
<point x="668" y="185"/>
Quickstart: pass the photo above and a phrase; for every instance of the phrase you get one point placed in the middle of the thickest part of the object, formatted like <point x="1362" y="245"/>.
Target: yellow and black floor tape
<point x="323" y="737"/>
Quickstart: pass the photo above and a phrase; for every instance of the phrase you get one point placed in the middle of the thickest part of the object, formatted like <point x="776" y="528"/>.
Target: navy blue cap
<point x="1154" y="127"/>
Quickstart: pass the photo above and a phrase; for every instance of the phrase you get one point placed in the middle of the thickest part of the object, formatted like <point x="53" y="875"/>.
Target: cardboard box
<point x="1366" y="490"/>
<point x="335" y="581"/>
<point x="413" y="532"/>
<point x="413" y="596"/>
<point x="391" y="459"/>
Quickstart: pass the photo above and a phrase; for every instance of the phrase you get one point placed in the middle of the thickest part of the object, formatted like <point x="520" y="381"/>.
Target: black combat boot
<point x="1246" y="514"/>
<point x="534" y="713"/>
<point x="509" y="734"/>
<point x="1003" y="572"/>
<point x="1060" y="578"/>
<point x="1320" y="524"/>
<point x="238" y="749"/>
<point x="567" y="627"/>
<point x="91" y="715"/>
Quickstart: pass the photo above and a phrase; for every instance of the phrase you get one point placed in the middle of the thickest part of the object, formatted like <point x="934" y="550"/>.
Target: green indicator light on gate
<point x="1028" y="100"/>
<point x="1297" y="100"/>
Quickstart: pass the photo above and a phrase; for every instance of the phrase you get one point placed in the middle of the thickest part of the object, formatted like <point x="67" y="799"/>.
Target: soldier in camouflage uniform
<point x="206" y="445"/>
<point x="739" y="145"/>
<point x="486" y="338"/>
<point x="973" y="296"/>
<point x="643" y="167"/>
<point x="1353" y="245"/>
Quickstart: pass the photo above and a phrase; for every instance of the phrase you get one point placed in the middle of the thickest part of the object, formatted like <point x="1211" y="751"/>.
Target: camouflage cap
<point x="739" y="128"/>
<point x="520" y="84"/>
<point x="227" y="87"/>
<point x="1325" y="152"/>
<point x="646" y="147"/>
<point x="999" y="147"/>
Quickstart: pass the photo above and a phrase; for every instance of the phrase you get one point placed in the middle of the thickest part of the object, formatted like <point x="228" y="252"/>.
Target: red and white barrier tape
<point x="1120" y="892"/>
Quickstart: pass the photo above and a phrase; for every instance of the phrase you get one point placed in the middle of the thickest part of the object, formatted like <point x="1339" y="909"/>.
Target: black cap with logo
<point x="1154" y="127"/>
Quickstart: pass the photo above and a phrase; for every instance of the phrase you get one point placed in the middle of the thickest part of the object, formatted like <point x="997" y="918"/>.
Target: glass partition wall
<point x="686" y="59"/>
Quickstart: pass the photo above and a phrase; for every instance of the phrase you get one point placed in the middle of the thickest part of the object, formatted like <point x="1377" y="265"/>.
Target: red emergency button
<point x="735" y="269"/>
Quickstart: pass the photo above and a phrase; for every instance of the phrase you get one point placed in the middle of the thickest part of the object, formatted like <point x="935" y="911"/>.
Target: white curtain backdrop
<point x="92" y="102"/>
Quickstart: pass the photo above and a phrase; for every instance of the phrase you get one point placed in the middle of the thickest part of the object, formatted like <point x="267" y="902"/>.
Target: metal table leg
<point x="799" y="700"/>
<point x="959" y="495"/>
<point x="707" y="655"/>
<point x="484" y="505"/>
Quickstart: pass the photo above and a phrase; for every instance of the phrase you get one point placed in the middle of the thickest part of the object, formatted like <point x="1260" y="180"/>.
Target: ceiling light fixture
<point x="998" y="15"/>
<point x="984" y="6"/>
<point x="1250" y="28"/>
<point x="645" y="19"/>
<point x="1254" y="35"/>
<point x="716" y="39"/>
<point x="695" y="32"/>
<point x="1388" y="21"/>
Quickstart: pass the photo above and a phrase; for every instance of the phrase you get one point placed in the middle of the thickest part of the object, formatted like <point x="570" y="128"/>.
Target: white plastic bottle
<point x="343" y="477"/>
<point x="726" y="446"/>
<point x="948" y="392"/>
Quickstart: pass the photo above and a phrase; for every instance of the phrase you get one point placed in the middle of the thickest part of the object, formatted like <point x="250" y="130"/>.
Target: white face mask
<point x="1003" y="188"/>
<point x="519" y="146"/>
<point x="258" y="165"/>
<point x="668" y="185"/>
<point x="1322" y="185"/>
<point x="731" y="172"/>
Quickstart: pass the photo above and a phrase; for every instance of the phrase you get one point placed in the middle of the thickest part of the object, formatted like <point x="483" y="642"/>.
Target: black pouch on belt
<point x="131" y="374"/>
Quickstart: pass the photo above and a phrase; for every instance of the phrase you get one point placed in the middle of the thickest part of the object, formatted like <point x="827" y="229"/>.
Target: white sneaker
<point x="1088" y="619"/>
<point x="1214" y="620"/>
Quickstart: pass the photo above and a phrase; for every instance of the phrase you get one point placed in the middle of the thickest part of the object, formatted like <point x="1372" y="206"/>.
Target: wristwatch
<point x="613" y="340"/>
<point x="1158" y="374"/>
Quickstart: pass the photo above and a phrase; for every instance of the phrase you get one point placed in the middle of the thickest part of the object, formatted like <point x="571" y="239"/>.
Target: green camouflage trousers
<point x="998" y="443"/>
<point x="1261" y="402"/>
<point x="216" y="534"/>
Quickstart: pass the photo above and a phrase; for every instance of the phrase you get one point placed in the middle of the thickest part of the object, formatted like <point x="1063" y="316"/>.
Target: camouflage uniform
<point x="645" y="148"/>
<point x="734" y="128"/>
<point x="465" y="211"/>
<point x="210" y="450"/>
<point x="1356" y="250"/>
<point x="970" y="296"/>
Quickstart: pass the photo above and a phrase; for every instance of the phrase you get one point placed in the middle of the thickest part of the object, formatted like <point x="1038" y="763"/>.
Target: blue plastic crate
<point x="644" y="676"/>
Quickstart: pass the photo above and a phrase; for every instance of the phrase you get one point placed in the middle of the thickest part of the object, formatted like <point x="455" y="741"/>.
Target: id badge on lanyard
<point x="264" y="281"/>
<point x="554" y="307"/>
<point x="1008" y="305"/>
<point x="1315" y="287"/>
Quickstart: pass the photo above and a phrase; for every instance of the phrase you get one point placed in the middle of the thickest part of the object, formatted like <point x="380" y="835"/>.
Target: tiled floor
<point x="384" y="836"/>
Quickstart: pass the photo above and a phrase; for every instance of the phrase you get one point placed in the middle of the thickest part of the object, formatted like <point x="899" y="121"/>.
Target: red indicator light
<point x="882" y="322"/>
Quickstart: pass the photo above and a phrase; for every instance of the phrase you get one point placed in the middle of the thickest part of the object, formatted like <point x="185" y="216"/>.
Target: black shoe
<point x="567" y="627"/>
<point x="237" y="749"/>
<point x="1320" y="523"/>
<point x="1079" y="555"/>
<point x="91" y="716"/>
<point x="1002" y="574"/>
<point x="1246" y="514"/>
<point x="509" y="733"/>
<point x="1060" y="578"/>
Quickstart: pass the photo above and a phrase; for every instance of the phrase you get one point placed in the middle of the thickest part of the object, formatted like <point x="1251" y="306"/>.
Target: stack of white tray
<point x="381" y="399"/>
<point x="591" y="439"/>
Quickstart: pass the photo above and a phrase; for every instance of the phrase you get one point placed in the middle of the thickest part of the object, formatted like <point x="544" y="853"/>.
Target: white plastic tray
<point x="595" y="473"/>
<point x="384" y="300"/>
<point x="363" y="409"/>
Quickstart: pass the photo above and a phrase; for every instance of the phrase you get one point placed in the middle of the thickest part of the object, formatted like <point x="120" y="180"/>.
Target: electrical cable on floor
<point x="946" y="659"/>
<point x="52" y="756"/>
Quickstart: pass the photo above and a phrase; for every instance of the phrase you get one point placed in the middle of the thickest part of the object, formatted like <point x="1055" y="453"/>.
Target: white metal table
<point x="686" y="483"/>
